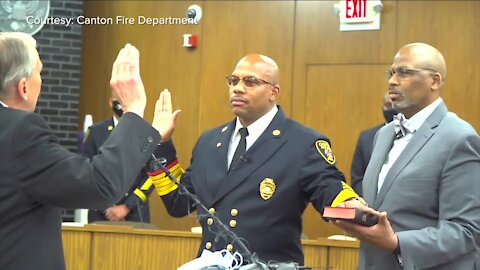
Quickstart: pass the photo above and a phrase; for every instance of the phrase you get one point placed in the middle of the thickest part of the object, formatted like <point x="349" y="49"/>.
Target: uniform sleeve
<point x="140" y="194"/>
<point x="322" y="182"/>
<point x="50" y="174"/>
<point x="177" y="203"/>
<point x="145" y="186"/>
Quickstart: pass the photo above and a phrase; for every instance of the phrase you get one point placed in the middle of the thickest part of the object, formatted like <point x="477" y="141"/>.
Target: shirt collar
<point x="4" y="105"/>
<point x="258" y="127"/>
<point x="115" y="121"/>
<point x="417" y="120"/>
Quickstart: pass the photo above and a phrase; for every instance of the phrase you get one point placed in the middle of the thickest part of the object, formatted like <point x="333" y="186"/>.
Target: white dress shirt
<point x="416" y="121"/>
<point x="254" y="131"/>
<point x="115" y="121"/>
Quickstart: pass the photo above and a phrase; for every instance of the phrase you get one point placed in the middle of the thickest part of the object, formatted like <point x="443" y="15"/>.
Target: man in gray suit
<point x="424" y="172"/>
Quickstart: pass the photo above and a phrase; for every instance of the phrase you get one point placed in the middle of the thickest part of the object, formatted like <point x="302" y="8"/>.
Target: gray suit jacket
<point x="431" y="194"/>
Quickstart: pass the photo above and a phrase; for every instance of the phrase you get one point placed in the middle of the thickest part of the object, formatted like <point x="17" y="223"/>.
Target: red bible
<point x="354" y="215"/>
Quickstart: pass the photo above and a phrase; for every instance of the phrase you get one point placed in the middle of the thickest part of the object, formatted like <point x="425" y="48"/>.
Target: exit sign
<point x="356" y="11"/>
<point x="359" y="14"/>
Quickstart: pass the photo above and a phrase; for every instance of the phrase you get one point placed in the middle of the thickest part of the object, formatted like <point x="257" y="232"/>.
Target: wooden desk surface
<point x="106" y="247"/>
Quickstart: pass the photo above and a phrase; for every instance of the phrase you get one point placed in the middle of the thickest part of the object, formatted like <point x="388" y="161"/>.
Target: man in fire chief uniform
<point x="257" y="173"/>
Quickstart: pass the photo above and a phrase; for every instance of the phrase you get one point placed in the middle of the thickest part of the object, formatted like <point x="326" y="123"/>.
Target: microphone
<point x="243" y="160"/>
<point x="117" y="108"/>
<point x="254" y="262"/>
<point x="139" y="210"/>
<point x="159" y="163"/>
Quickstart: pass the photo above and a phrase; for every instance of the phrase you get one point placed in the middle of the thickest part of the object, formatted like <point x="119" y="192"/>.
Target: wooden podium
<point x="107" y="247"/>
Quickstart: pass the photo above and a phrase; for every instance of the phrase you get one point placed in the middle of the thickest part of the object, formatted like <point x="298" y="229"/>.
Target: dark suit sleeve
<point x="50" y="174"/>
<point x="358" y="167"/>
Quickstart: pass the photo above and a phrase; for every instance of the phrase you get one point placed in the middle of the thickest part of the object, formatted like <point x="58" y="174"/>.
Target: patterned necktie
<point x="401" y="125"/>
<point x="241" y="148"/>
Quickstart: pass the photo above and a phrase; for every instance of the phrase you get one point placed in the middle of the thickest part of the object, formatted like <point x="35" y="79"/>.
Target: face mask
<point x="117" y="108"/>
<point x="389" y="113"/>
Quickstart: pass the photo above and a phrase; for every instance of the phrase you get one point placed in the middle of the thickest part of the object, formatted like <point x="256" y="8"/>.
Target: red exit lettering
<point x="356" y="8"/>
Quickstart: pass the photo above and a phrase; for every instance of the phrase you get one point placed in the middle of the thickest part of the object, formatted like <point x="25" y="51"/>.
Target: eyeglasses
<point x="248" y="81"/>
<point x="403" y="72"/>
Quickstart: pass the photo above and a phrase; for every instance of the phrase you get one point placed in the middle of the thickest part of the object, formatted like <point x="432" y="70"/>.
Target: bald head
<point x="424" y="56"/>
<point x="260" y="64"/>
<point x="421" y="80"/>
<point x="253" y="98"/>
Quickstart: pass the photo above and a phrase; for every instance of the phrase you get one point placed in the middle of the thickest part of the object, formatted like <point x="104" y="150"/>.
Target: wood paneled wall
<point x="331" y="81"/>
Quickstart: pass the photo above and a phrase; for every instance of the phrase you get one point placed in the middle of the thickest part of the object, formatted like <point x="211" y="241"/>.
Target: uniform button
<point x="210" y="221"/>
<point x="211" y="210"/>
<point x="234" y="212"/>
<point x="126" y="194"/>
<point x="229" y="247"/>
<point x="233" y="223"/>
<point x="149" y="139"/>
<point x="208" y="245"/>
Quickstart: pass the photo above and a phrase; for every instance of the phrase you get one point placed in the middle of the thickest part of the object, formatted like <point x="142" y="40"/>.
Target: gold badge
<point x="323" y="147"/>
<point x="276" y="132"/>
<point x="267" y="188"/>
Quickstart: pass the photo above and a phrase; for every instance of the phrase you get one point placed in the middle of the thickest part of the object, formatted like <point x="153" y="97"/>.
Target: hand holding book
<point x="350" y="214"/>
<point x="374" y="229"/>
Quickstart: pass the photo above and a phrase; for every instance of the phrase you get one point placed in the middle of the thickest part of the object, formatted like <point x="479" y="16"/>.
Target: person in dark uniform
<point x="364" y="148"/>
<point x="134" y="204"/>
<point x="257" y="173"/>
<point x="38" y="176"/>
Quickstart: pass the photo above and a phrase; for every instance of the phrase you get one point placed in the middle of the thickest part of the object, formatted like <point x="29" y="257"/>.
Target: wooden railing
<point x="106" y="247"/>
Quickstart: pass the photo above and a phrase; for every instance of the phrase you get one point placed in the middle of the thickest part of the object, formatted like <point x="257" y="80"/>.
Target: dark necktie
<point x="401" y="126"/>
<point x="241" y="149"/>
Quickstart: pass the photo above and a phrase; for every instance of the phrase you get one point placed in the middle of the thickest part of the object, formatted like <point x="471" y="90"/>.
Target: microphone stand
<point x="159" y="163"/>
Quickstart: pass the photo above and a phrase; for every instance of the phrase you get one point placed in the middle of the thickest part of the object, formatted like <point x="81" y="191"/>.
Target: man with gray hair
<point x="38" y="176"/>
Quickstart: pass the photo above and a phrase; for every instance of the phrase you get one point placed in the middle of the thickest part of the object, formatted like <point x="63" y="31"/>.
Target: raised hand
<point x="164" y="119"/>
<point x="126" y="81"/>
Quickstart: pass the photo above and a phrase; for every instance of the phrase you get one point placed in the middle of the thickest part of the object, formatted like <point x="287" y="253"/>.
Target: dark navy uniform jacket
<point x="262" y="200"/>
<point x="136" y="198"/>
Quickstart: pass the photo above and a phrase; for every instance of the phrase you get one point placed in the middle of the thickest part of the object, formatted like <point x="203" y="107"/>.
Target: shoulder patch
<point x="323" y="148"/>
